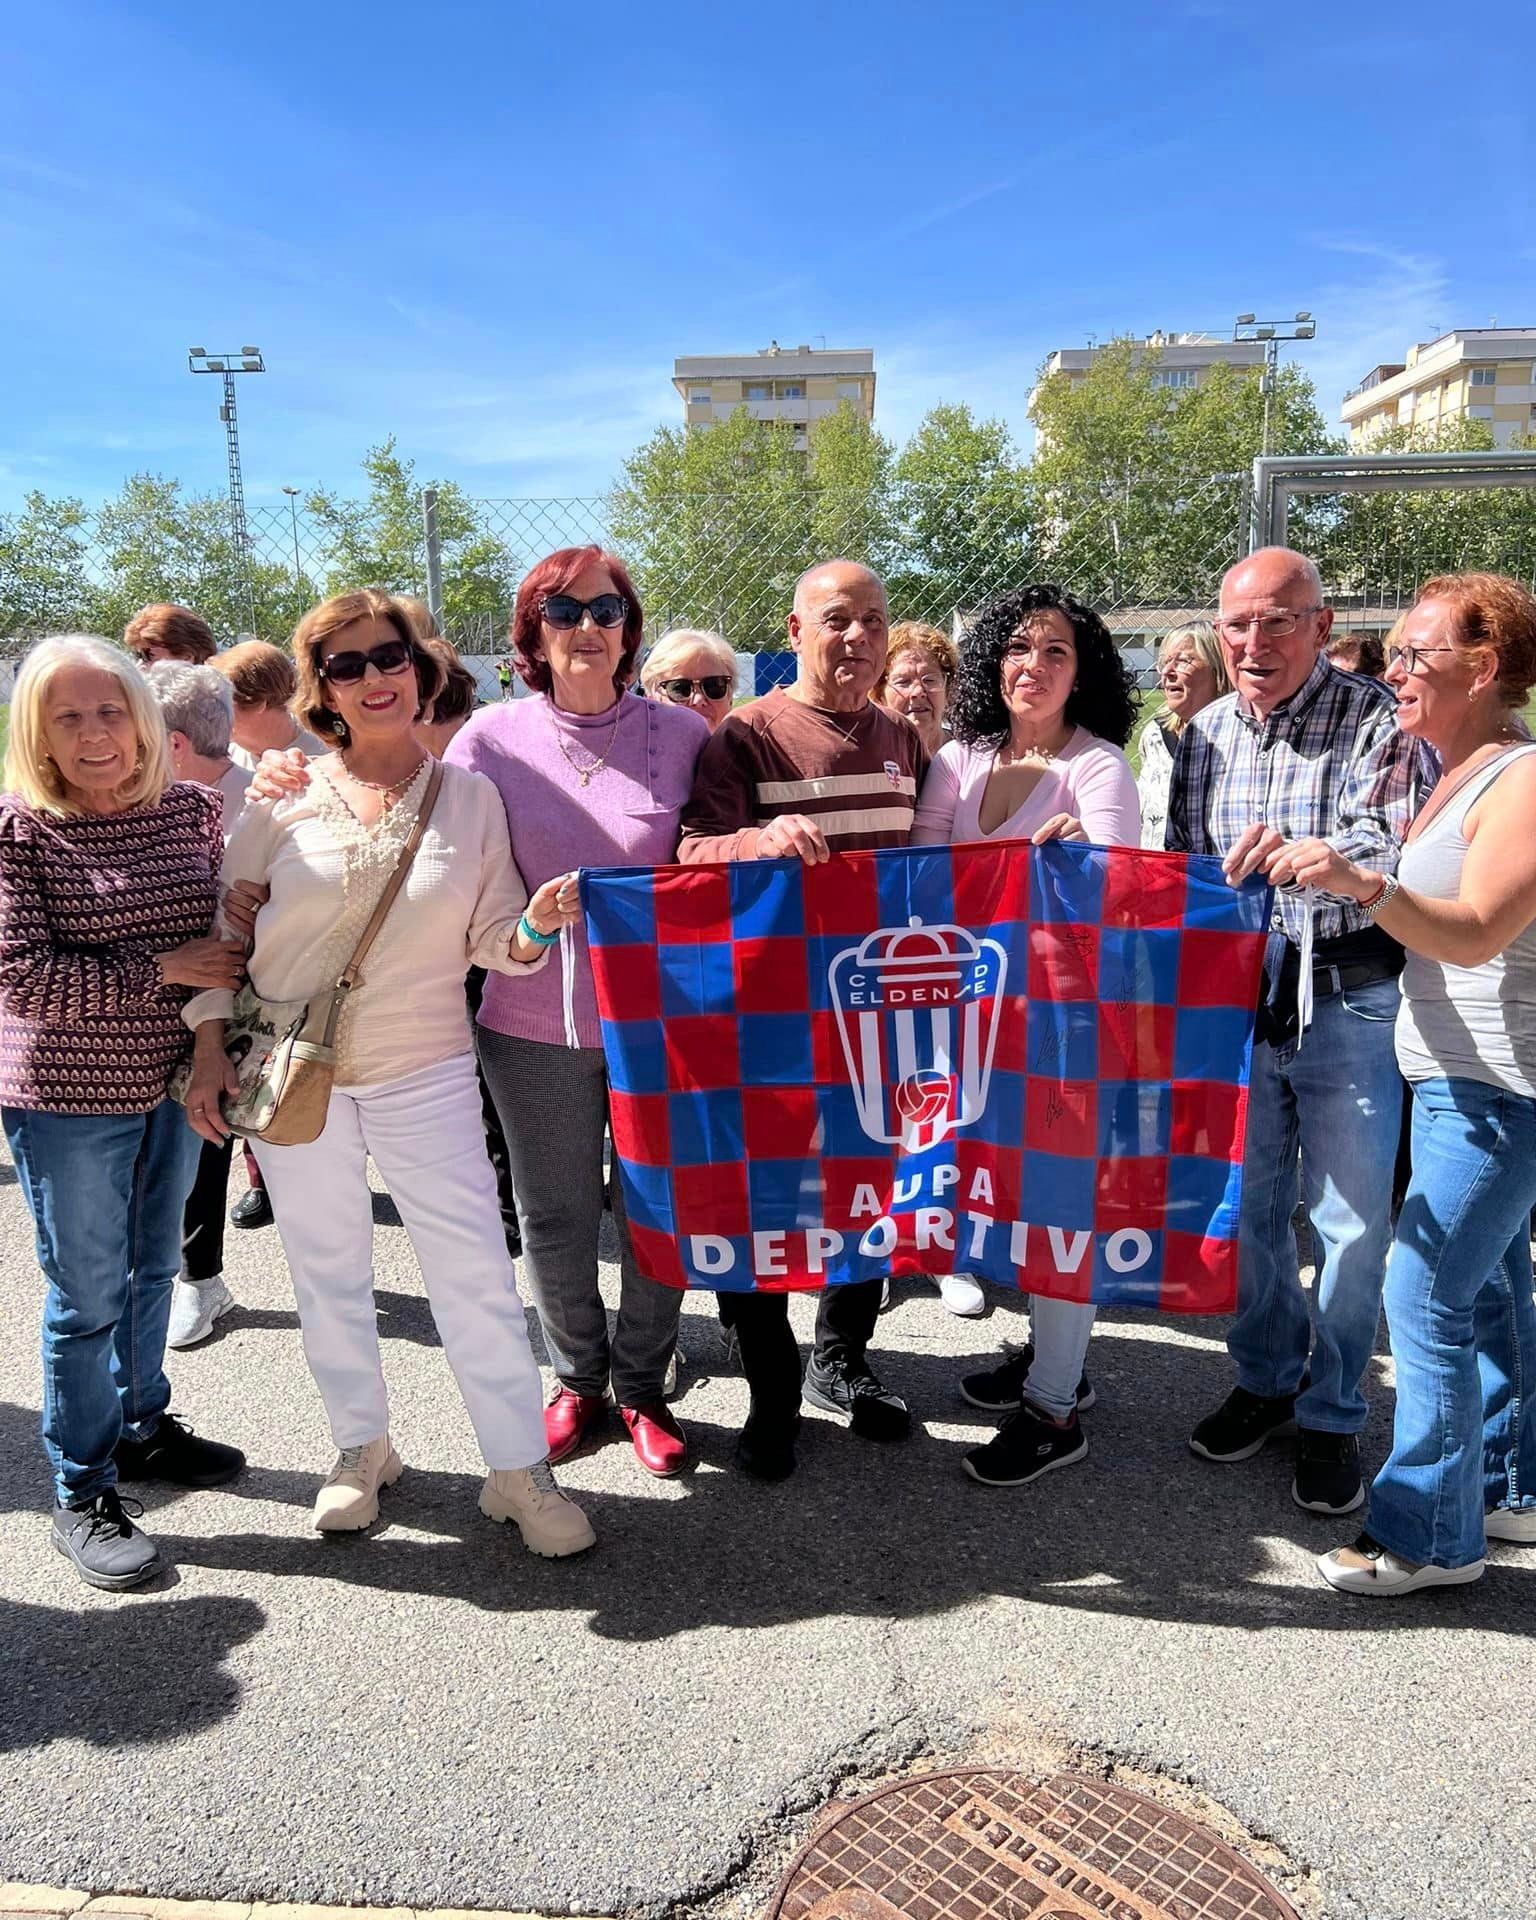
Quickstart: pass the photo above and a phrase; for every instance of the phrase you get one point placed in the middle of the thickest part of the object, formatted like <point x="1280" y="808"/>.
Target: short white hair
<point x="196" y="701"/>
<point x="662" y="659"/>
<point x="29" y="768"/>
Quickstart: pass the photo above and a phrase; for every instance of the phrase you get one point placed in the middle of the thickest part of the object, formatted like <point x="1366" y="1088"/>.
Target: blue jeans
<point x="1463" y="1324"/>
<point x="1058" y="1331"/>
<point x="1339" y="1101"/>
<point x="106" y="1195"/>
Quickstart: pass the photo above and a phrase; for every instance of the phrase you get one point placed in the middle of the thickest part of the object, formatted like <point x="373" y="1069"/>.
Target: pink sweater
<point x="626" y="816"/>
<point x="1089" y="779"/>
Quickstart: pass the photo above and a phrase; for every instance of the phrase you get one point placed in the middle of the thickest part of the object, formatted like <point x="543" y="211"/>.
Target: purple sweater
<point x="626" y="816"/>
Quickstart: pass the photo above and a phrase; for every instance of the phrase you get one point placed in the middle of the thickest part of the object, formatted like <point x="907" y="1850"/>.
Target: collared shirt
<point x="1328" y="761"/>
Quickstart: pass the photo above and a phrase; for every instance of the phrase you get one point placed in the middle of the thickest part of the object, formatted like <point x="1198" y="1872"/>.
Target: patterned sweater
<point x="87" y="903"/>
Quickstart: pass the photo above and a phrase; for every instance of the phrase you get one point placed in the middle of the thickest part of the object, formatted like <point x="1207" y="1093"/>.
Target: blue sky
<point x="489" y="229"/>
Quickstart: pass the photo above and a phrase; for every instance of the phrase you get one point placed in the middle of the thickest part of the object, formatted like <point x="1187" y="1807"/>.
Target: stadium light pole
<point x="226" y="366"/>
<point x="1272" y="332"/>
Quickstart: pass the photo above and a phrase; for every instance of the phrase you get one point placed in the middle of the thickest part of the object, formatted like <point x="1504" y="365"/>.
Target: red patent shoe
<point x="658" y="1439"/>
<point x="566" y="1420"/>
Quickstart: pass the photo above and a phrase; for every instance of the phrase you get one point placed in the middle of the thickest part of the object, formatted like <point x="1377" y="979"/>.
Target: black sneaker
<point x="1327" y="1472"/>
<point x="252" y="1209"/>
<point x="1024" y="1447"/>
<point x="107" y="1548"/>
<point x="1241" y="1424"/>
<point x="766" y="1447"/>
<point x="1001" y="1389"/>
<point x="174" y="1453"/>
<point x="848" y="1387"/>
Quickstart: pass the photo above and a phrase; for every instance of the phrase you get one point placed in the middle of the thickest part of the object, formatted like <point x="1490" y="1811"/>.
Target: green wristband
<point x="530" y="932"/>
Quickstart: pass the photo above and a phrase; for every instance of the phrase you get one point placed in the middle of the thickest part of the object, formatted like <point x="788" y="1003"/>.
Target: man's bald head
<point x="1272" y="625"/>
<point x="838" y="629"/>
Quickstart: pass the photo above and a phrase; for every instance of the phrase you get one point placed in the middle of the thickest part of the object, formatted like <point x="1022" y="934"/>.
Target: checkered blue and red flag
<point x="1029" y="1064"/>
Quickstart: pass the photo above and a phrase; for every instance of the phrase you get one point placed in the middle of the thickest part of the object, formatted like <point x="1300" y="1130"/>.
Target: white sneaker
<point x="195" y="1305"/>
<point x="962" y="1295"/>
<point x="550" y="1522"/>
<point x="1367" y="1567"/>
<point x="1511" y="1523"/>
<point x="349" y="1500"/>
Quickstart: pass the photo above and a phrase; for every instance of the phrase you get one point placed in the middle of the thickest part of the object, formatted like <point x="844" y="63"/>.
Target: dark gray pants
<point x="553" y="1104"/>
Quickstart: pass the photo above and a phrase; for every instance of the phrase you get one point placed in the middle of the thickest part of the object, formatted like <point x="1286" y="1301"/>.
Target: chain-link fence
<point x="1148" y="553"/>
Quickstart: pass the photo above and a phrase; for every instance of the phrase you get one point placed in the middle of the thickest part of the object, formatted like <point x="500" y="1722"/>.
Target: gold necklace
<point x="585" y="773"/>
<point x="377" y="786"/>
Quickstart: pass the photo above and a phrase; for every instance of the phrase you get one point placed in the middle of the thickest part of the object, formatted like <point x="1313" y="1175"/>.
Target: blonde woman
<point x="691" y="667"/>
<point x="405" y="1090"/>
<point x="1191" y="672"/>
<point x="919" y="677"/>
<point x="108" y="884"/>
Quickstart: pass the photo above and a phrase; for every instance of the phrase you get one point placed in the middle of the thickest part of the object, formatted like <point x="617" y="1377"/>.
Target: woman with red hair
<point x="591" y="776"/>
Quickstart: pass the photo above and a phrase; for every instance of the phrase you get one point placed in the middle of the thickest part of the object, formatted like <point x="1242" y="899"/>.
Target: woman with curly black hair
<point x="1042" y="708"/>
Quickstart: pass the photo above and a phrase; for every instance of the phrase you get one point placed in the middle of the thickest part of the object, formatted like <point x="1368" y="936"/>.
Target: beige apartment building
<point x="1184" y="360"/>
<point x="1474" y="373"/>
<point x="792" y="386"/>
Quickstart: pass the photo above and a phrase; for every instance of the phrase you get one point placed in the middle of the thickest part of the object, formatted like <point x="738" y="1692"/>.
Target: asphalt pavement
<point x="427" y="1715"/>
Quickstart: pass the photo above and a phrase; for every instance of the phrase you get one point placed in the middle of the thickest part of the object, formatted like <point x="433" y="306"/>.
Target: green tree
<point x="44" y="557"/>
<point x="156" y="542"/>
<point x="380" y="541"/>
<point x="961" y="505"/>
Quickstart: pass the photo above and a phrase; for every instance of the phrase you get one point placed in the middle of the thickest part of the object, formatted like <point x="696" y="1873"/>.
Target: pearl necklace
<point x="377" y="786"/>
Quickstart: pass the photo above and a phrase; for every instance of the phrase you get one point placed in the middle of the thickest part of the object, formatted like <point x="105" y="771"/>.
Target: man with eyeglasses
<point x="1301" y="749"/>
<point x="810" y="770"/>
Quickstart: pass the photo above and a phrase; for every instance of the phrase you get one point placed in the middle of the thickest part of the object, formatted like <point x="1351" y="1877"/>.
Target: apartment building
<point x="791" y="386"/>
<point x="1473" y="373"/>
<point x="1183" y="359"/>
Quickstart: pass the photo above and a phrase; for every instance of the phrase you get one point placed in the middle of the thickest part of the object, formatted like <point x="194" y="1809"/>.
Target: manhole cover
<point x="982" y="1843"/>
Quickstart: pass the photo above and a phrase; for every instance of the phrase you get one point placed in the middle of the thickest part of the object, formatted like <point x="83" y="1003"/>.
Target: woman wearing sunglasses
<point x="690" y="667"/>
<point x="405" y="1089"/>
<point x="591" y="777"/>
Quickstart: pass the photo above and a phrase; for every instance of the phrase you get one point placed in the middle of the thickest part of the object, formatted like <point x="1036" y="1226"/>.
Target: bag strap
<point x="350" y="972"/>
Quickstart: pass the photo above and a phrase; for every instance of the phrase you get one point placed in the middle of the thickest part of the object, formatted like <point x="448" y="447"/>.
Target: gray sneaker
<point x="107" y="1548"/>
<point x="195" y="1305"/>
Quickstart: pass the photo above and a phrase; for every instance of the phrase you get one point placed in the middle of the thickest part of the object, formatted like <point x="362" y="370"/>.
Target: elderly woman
<point x="166" y="632"/>
<point x="108" y="883"/>
<point x="918" y="679"/>
<point x="198" y="705"/>
<point x="405" y="1089"/>
<point x="456" y="701"/>
<point x="1191" y="672"/>
<point x="690" y="667"/>
<point x="1462" y="1470"/>
<point x="1042" y="711"/>
<point x="264" y="684"/>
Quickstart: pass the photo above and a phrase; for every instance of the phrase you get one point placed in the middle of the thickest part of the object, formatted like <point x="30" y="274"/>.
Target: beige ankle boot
<point x="349" y="1500"/>
<point x="550" y="1523"/>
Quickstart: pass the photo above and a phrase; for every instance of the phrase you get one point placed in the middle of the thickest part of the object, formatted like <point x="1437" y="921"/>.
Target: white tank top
<point x="1466" y="1023"/>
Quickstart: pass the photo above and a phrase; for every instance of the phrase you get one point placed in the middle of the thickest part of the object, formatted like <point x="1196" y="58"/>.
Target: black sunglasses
<point x="390" y="656"/>
<point x="716" y="686"/>
<point x="563" y="610"/>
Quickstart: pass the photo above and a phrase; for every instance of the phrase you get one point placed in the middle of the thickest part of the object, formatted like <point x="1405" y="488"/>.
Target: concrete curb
<point x="18" y="1901"/>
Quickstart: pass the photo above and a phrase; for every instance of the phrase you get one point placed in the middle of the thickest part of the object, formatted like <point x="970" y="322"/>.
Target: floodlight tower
<point x="247" y="360"/>
<point x="1272" y="332"/>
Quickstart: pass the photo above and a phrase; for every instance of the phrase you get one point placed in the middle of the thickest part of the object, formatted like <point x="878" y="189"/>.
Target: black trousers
<point x="495" y="1139"/>
<point x="202" y="1224"/>
<point x="770" y="1356"/>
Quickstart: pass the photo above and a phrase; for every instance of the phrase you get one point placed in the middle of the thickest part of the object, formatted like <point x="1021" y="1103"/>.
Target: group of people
<point x="176" y="827"/>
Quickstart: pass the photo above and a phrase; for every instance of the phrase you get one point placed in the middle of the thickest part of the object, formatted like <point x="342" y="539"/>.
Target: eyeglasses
<point x="1274" y="625"/>
<point x="390" y="656"/>
<point x="913" y="682"/>
<point x="1413" y="657"/>
<point x="715" y="686"/>
<point x="563" y="611"/>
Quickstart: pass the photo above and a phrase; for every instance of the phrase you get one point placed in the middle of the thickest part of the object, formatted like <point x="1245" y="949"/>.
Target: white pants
<point x="427" y="1140"/>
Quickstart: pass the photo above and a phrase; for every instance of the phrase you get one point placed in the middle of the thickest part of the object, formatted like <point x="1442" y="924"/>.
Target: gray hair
<point x="670" y="648"/>
<point x="196" y="701"/>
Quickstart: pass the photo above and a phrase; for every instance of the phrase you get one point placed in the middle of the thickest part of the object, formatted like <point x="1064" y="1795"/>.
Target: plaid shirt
<point x="1328" y="761"/>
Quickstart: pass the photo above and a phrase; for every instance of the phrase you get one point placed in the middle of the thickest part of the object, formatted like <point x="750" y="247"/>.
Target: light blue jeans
<point x="1339" y="1100"/>
<point x="1058" y="1330"/>
<point x="106" y="1193"/>
<point x="1463" y="1324"/>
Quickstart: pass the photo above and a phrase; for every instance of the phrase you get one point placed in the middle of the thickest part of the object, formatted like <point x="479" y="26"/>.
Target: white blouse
<point x="459" y="908"/>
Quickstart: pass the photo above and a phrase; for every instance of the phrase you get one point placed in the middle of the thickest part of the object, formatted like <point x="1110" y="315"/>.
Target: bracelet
<point x="530" y="932"/>
<point x="1377" y="901"/>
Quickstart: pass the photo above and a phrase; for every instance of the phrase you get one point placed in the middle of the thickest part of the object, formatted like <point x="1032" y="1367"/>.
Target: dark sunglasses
<point x="390" y="656"/>
<point x="716" y="686"/>
<point x="563" y="611"/>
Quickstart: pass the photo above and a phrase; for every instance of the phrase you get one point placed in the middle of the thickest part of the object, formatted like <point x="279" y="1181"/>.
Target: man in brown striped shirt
<point x="811" y="770"/>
